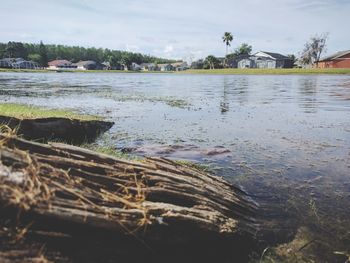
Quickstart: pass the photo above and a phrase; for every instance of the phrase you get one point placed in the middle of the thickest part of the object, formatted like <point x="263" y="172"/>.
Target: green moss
<point x="170" y="101"/>
<point x="198" y="166"/>
<point x="177" y="103"/>
<point x="21" y="111"/>
<point x="109" y="150"/>
<point x="295" y="71"/>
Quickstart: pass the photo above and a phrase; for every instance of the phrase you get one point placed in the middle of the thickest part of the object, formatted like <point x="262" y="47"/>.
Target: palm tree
<point x="227" y="39"/>
<point x="211" y="60"/>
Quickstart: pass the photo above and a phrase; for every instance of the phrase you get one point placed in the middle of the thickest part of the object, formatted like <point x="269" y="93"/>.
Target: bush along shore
<point x="36" y="123"/>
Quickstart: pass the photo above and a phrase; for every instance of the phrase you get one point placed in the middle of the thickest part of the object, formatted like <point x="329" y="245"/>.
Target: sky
<point x="179" y="29"/>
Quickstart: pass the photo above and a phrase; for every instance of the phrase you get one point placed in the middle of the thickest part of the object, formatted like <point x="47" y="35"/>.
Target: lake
<point x="284" y="138"/>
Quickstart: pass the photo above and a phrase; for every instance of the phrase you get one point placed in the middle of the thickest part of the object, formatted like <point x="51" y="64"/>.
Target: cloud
<point x="132" y="48"/>
<point x="166" y="28"/>
<point x="168" y="49"/>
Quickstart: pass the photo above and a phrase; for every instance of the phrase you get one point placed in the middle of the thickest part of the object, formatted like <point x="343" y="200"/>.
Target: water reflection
<point x="308" y="94"/>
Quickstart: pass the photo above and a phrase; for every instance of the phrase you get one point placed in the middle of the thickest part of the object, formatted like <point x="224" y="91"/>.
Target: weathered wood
<point x="60" y="129"/>
<point x="156" y="200"/>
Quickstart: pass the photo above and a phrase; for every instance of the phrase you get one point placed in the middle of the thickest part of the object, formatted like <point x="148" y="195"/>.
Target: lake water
<point x="285" y="139"/>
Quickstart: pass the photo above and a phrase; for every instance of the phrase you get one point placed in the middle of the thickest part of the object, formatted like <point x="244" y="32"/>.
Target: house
<point x="18" y="63"/>
<point x="233" y="62"/>
<point x="24" y="64"/>
<point x="338" y="60"/>
<point x="246" y="63"/>
<point x="166" y="67"/>
<point x="135" y="66"/>
<point x="148" y="67"/>
<point x="61" y="64"/>
<point x="180" y="66"/>
<point x="88" y="65"/>
<point x="106" y="65"/>
<point x="7" y="62"/>
<point x="263" y="59"/>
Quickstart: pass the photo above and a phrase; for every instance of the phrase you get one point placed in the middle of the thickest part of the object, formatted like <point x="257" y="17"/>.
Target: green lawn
<point x="235" y="71"/>
<point x="31" y="112"/>
<point x="23" y="70"/>
<point x="78" y="71"/>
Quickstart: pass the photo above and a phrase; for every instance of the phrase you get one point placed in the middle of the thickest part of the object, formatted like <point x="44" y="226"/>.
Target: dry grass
<point x="36" y="185"/>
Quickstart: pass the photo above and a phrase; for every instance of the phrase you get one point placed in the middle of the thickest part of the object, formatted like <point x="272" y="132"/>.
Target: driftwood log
<point x="69" y="204"/>
<point x="59" y="129"/>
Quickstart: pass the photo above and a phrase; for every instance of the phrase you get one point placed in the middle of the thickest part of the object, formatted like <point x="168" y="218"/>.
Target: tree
<point x="243" y="49"/>
<point x="2" y="50"/>
<point x="73" y="53"/>
<point x="43" y="55"/>
<point x="227" y="39"/>
<point x="211" y="62"/>
<point x="199" y="64"/>
<point x="114" y="62"/>
<point x="34" y="57"/>
<point x="293" y="58"/>
<point x="313" y="49"/>
<point x="126" y="61"/>
<point x="16" y="50"/>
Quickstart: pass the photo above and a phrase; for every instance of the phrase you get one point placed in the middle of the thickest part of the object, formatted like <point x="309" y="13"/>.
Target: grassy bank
<point x="77" y="71"/>
<point x="292" y="71"/>
<point x="21" y="111"/>
<point x="24" y="70"/>
<point x="228" y="71"/>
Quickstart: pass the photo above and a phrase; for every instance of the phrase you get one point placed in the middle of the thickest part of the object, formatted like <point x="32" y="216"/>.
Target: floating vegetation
<point x="170" y="101"/>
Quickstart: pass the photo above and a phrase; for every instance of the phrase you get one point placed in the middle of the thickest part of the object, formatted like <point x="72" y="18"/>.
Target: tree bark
<point x="81" y="194"/>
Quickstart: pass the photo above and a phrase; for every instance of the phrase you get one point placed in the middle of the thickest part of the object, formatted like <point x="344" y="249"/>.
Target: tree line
<point x="42" y="54"/>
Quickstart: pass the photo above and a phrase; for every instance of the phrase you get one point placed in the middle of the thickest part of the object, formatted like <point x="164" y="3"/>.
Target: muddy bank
<point x="72" y="131"/>
<point x="89" y="207"/>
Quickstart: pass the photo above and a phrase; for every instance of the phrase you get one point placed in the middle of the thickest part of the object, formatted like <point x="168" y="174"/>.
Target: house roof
<point x="179" y="64"/>
<point x="336" y="55"/>
<point x="85" y="63"/>
<point x="12" y="60"/>
<point x="59" y="62"/>
<point x="164" y="65"/>
<point x="25" y="61"/>
<point x="147" y="64"/>
<point x="273" y="55"/>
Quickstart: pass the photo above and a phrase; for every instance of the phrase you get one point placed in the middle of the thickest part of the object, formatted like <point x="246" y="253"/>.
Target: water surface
<point x="278" y="136"/>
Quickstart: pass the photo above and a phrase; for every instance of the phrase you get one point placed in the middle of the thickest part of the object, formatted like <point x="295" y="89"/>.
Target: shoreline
<point x="230" y="71"/>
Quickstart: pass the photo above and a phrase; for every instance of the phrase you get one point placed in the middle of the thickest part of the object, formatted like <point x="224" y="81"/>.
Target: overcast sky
<point x="177" y="28"/>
